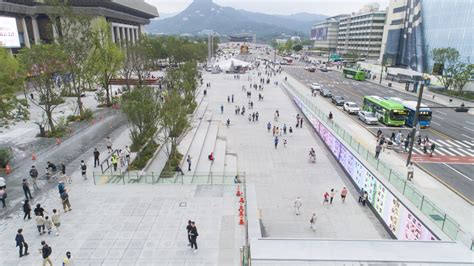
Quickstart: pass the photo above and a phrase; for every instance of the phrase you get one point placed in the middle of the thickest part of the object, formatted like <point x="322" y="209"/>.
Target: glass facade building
<point x="415" y="27"/>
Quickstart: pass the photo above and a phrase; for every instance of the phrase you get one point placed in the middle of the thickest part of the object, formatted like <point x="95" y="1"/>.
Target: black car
<point x="325" y="93"/>
<point x="338" y="100"/>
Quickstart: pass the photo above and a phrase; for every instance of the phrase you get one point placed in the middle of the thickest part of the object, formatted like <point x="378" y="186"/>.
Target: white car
<point x="367" y="117"/>
<point x="315" y="86"/>
<point x="351" y="107"/>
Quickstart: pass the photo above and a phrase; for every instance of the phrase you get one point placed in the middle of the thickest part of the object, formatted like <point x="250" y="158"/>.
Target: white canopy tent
<point x="227" y="65"/>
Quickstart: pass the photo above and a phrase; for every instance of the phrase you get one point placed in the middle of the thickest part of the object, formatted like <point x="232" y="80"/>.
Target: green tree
<point x="45" y="65"/>
<point x="74" y="37"/>
<point x="142" y="108"/>
<point x="12" y="80"/>
<point x="448" y="59"/>
<point x="461" y="73"/>
<point x="106" y="58"/>
<point x="298" y="47"/>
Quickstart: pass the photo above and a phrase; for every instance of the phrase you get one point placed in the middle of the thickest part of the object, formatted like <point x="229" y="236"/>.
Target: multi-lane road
<point x="452" y="132"/>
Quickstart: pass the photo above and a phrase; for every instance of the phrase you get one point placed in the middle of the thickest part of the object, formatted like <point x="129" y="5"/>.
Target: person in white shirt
<point x="410" y="170"/>
<point x="298" y="205"/>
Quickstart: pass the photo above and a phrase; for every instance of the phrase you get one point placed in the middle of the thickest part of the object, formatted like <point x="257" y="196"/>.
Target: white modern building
<point x="361" y="33"/>
<point x="324" y="34"/>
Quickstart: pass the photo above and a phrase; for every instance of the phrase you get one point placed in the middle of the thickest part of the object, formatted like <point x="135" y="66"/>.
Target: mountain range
<point x="206" y="15"/>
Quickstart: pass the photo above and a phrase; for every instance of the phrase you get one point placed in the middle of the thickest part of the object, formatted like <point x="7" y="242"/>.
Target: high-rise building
<point x="415" y="27"/>
<point x="28" y="21"/>
<point x="361" y="33"/>
<point x="324" y="34"/>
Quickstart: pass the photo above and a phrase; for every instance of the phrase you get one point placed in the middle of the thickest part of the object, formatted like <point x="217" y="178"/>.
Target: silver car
<point x="367" y="117"/>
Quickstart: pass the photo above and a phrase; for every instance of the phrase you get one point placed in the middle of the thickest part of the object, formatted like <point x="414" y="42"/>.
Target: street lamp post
<point x="415" y="121"/>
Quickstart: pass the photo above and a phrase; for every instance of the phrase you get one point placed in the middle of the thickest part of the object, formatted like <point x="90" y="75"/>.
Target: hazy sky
<point x="284" y="7"/>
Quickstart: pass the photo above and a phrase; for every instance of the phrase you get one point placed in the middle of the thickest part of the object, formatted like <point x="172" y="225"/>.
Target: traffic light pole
<point x="415" y="122"/>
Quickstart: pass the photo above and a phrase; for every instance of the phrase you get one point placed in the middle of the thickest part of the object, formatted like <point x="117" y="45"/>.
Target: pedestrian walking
<point x="21" y="243"/>
<point x="297" y="205"/>
<point x="46" y="251"/>
<point x="274" y="130"/>
<point x="276" y="142"/>
<point x="26" y="189"/>
<point x="269" y="127"/>
<point x="284" y="143"/>
<point x="34" y="176"/>
<point x="364" y="198"/>
<point x="188" y="160"/>
<point x="222" y="109"/>
<point x="228" y="99"/>
<point x="127" y="154"/>
<point x="256" y="116"/>
<point x="284" y="129"/>
<point x="84" y="169"/>
<point x="343" y="194"/>
<point x="188" y="229"/>
<point x="40" y="224"/>
<point x="290" y="130"/>
<point x="65" y="201"/>
<point x="378" y="148"/>
<point x="301" y="122"/>
<point x="39" y="211"/>
<point x="193" y="234"/>
<point x="432" y="148"/>
<point x="48" y="224"/>
<point x="232" y="98"/>
<point x="56" y="219"/>
<point x="27" y="210"/>
<point x="109" y="145"/>
<point x="312" y="222"/>
<point x="410" y="171"/>
<point x="406" y="142"/>
<point x="331" y="195"/>
<point x="96" y="157"/>
<point x="326" y="198"/>
<point x="68" y="261"/>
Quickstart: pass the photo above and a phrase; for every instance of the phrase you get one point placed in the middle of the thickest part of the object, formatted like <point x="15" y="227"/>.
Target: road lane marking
<point x="465" y="176"/>
<point x="441" y="112"/>
<point x="453" y="143"/>
<point x="436" y="123"/>
<point x="439" y="117"/>
<point x="446" y="151"/>
<point x="467" y="136"/>
<point x="469" y="129"/>
<point x="469" y="122"/>
<point x="438" y="151"/>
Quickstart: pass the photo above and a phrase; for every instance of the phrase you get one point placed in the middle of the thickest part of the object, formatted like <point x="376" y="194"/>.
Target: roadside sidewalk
<point x="440" y="195"/>
<point x="427" y="95"/>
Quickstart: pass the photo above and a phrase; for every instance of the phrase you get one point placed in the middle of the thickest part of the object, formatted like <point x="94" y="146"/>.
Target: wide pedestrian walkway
<point x="282" y="174"/>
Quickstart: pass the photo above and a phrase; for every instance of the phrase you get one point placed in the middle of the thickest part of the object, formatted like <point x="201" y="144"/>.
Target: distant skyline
<point x="280" y="7"/>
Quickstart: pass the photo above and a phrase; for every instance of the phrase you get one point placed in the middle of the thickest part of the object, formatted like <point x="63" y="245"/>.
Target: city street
<point x="455" y="146"/>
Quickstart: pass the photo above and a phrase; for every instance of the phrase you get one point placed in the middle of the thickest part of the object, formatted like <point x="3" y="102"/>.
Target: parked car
<point x="323" y="69"/>
<point x="325" y="93"/>
<point x="315" y="86"/>
<point x="351" y="107"/>
<point x="338" y="100"/>
<point x="367" y="117"/>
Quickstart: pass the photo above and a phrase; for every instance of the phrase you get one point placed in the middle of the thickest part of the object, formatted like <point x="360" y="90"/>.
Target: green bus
<point x="354" y="74"/>
<point x="389" y="112"/>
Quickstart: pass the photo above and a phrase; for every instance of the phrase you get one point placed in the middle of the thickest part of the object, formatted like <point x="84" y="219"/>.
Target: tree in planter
<point x="173" y="120"/>
<point x="142" y="108"/>
<point x="106" y="58"/>
<point x="45" y="65"/>
<point x="75" y="39"/>
<point x="12" y="81"/>
<point x="138" y="60"/>
<point x="461" y="74"/>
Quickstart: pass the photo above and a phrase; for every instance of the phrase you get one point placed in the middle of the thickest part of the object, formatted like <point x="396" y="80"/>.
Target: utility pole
<point x="415" y="121"/>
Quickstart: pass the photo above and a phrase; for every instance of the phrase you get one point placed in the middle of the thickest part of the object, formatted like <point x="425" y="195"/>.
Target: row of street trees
<point x="83" y="57"/>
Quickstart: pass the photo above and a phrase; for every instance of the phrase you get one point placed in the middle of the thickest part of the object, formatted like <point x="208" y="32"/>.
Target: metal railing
<point x="447" y="224"/>
<point x="151" y="178"/>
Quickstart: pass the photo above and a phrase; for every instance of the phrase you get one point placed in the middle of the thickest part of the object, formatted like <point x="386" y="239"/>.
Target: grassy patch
<point x="144" y="156"/>
<point x="170" y="167"/>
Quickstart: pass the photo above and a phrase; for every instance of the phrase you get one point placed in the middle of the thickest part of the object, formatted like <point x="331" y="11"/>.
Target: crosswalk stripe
<point x="462" y="143"/>
<point x="442" y="143"/>
<point x="465" y="153"/>
<point x="453" y="143"/>
<point x="470" y="151"/>
<point x="456" y="151"/>
<point x="417" y="150"/>
<point x="446" y="151"/>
